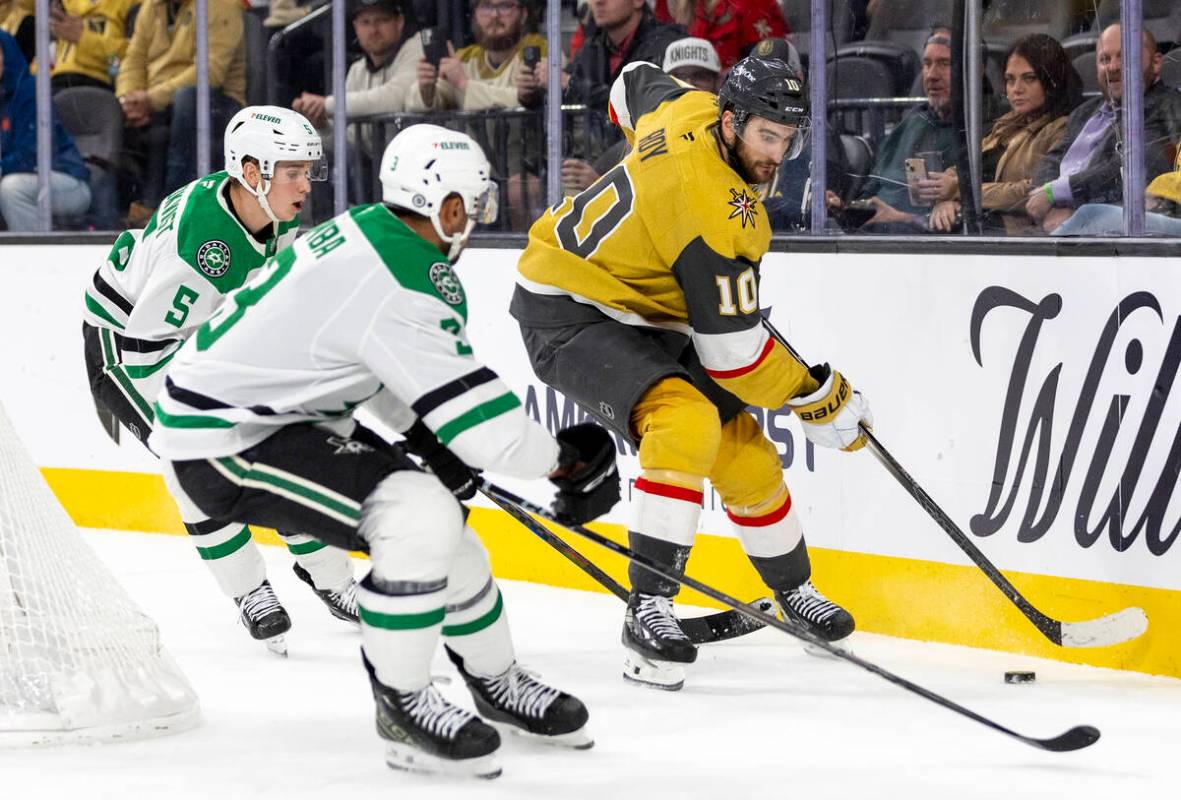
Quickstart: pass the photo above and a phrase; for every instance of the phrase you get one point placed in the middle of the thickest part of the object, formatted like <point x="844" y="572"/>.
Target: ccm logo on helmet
<point x="829" y="408"/>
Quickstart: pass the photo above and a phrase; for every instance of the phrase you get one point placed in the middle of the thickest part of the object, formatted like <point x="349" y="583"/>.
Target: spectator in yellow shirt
<point x="89" y="39"/>
<point x="482" y="75"/>
<point x="157" y="89"/>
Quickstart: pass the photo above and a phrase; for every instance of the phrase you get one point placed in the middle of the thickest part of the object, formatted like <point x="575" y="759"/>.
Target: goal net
<point x="79" y="661"/>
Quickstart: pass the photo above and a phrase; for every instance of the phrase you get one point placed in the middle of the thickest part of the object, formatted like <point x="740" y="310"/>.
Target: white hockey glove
<point x="831" y="414"/>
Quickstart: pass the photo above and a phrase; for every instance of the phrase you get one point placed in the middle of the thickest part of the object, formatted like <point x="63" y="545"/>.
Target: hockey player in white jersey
<point x="159" y="284"/>
<point x="256" y="421"/>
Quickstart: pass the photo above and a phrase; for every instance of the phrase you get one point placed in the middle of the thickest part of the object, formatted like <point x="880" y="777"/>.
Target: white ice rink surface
<point x="758" y="717"/>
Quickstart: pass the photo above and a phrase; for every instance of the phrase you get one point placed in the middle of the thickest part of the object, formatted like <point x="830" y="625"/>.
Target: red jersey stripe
<point x="736" y="373"/>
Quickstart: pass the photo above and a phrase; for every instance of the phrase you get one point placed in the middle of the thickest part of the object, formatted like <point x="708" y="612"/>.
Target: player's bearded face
<point x="759" y="149"/>
<point x="290" y="186"/>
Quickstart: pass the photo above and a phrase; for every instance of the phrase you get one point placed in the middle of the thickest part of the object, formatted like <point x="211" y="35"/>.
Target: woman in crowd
<point x="1042" y="87"/>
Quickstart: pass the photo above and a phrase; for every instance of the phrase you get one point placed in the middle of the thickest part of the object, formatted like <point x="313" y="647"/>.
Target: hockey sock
<point x="330" y="567"/>
<point x="230" y="554"/>
<point x="785" y="572"/>
<point x="665" y="511"/>
<point x="400" y="626"/>
<point x="478" y="630"/>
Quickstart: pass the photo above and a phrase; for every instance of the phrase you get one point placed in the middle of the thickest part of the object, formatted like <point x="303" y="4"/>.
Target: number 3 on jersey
<point x="596" y="213"/>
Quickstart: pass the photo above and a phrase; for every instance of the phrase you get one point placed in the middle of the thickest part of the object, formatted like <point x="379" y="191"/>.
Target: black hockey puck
<point x="1020" y="677"/>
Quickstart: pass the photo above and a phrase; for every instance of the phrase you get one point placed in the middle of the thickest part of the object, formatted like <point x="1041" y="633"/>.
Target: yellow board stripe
<point x="909" y="598"/>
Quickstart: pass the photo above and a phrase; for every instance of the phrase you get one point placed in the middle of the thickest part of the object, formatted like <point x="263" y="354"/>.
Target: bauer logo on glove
<point x="833" y="414"/>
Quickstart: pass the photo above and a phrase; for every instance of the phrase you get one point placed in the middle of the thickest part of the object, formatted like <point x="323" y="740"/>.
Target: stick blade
<point x="1074" y="739"/>
<point x="1117" y="628"/>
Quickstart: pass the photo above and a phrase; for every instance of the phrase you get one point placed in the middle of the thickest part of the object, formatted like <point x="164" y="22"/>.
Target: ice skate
<point x="265" y="618"/>
<point x="425" y="733"/>
<point x="342" y="605"/>
<point x="656" y="647"/>
<point x="806" y="608"/>
<point x="518" y="703"/>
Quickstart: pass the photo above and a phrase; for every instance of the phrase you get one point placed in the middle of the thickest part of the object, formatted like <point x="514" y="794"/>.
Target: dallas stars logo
<point x="744" y="207"/>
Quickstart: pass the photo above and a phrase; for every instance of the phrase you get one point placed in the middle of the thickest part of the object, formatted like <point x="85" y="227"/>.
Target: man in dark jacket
<point x="1085" y="166"/>
<point x="620" y="31"/>
<point x="69" y="180"/>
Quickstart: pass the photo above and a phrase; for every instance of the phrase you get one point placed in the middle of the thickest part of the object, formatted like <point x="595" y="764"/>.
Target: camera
<point x="531" y="55"/>
<point x="434" y="45"/>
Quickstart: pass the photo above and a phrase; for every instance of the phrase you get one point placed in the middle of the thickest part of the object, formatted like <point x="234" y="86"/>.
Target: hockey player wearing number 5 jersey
<point x="638" y="298"/>
<point x="158" y="285"/>
<point x="256" y="420"/>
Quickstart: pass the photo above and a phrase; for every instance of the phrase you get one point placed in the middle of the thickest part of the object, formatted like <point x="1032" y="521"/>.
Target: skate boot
<point x="342" y="605"/>
<point x="425" y="733"/>
<point x="655" y="646"/>
<point x="517" y="703"/>
<point x="265" y="617"/>
<point x="806" y="608"/>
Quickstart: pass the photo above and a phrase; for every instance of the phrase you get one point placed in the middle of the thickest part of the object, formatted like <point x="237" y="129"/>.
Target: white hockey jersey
<point x="360" y="303"/>
<point x="158" y="285"/>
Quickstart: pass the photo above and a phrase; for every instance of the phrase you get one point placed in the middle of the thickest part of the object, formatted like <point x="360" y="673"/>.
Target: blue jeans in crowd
<point x="1096" y="219"/>
<point x="182" y="135"/>
<point x="18" y="198"/>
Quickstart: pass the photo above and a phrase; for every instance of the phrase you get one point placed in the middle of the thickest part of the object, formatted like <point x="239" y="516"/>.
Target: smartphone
<point x="434" y="45"/>
<point x="531" y="55"/>
<point x="916" y="170"/>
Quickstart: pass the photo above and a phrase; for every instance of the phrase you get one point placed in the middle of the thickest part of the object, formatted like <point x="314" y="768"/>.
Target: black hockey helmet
<point x="766" y="87"/>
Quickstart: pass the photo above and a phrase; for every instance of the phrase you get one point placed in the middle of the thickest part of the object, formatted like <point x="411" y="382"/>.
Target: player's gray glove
<point x="446" y="466"/>
<point x="587" y="480"/>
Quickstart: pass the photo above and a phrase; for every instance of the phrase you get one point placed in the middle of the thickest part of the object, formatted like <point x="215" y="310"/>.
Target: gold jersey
<point x="672" y="238"/>
<point x="103" y="41"/>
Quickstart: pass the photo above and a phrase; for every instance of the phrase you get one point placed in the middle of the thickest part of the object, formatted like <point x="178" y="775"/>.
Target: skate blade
<point x="666" y="675"/>
<point x="277" y="645"/>
<point x="820" y="652"/>
<point x="575" y="740"/>
<point x="411" y="759"/>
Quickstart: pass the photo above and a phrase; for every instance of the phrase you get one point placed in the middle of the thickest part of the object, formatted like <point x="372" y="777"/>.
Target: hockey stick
<point x="1116" y="628"/>
<point x="1074" y="739"/>
<point x="715" y="627"/>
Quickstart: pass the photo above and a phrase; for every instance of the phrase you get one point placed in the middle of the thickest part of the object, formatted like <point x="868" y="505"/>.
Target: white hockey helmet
<point x="425" y="164"/>
<point x="270" y="134"/>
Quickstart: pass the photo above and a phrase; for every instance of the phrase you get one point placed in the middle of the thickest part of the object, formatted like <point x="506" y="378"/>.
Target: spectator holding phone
<point x="1042" y="87"/>
<point x="89" y="39"/>
<point x="901" y="195"/>
<point x="482" y="75"/>
<point x="377" y="82"/>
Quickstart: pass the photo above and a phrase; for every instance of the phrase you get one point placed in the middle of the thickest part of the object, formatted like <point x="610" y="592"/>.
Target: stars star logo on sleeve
<point x="762" y="28"/>
<point x="744" y="207"/>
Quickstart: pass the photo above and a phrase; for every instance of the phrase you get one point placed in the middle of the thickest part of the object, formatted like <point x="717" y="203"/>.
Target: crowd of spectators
<point x="1051" y="156"/>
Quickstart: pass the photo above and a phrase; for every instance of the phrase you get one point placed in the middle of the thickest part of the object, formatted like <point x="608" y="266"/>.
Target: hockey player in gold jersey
<point x="638" y="298"/>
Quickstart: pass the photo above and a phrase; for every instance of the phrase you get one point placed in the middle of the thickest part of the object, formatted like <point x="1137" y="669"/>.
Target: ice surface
<point x="758" y="717"/>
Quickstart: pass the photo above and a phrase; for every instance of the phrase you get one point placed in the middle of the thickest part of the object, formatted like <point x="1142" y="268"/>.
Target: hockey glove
<point x="831" y="414"/>
<point x="446" y="466"/>
<point x="587" y="480"/>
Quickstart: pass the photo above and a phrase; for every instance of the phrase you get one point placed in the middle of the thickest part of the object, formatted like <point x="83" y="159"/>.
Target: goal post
<point x="79" y="661"/>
